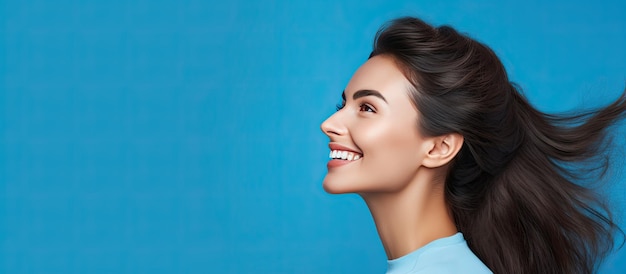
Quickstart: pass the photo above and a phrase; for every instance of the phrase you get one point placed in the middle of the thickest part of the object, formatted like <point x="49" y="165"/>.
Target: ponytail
<point x="516" y="186"/>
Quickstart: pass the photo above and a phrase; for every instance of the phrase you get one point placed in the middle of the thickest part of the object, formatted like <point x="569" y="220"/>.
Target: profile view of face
<point x="374" y="139"/>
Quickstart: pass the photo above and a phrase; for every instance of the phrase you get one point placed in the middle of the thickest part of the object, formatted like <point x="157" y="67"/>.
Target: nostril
<point x="333" y="125"/>
<point x="330" y="130"/>
<point x="333" y="129"/>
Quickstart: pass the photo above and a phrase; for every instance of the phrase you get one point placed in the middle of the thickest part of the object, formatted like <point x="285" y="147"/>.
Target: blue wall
<point x="183" y="136"/>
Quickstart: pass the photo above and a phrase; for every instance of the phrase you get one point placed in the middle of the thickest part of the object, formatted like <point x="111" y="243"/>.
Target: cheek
<point x="389" y="140"/>
<point x="392" y="155"/>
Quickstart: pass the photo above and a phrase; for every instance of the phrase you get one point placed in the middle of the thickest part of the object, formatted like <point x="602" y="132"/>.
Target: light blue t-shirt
<point x="442" y="256"/>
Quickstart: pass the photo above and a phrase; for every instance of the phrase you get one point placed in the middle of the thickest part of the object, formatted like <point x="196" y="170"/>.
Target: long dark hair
<point x="515" y="188"/>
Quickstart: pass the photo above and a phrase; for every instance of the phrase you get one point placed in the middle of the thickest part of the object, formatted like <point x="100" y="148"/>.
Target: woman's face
<point x="375" y="132"/>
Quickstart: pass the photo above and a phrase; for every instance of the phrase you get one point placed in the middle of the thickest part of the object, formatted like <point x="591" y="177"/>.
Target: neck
<point x="412" y="217"/>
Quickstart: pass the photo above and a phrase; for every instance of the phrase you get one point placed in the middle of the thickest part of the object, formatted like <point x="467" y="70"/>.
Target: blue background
<point x="183" y="136"/>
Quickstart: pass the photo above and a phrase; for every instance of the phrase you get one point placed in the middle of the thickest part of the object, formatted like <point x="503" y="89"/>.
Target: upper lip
<point x="335" y="146"/>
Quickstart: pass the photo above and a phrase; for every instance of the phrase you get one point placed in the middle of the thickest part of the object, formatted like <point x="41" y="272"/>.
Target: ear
<point x="442" y="150"/>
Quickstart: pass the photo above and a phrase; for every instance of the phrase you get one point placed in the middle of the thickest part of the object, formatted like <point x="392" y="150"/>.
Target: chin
<point x="332" y="189"/>
<point x="336" y="188"/>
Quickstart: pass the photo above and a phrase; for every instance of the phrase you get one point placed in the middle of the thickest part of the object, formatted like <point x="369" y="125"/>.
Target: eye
<point x="366" y="108"/>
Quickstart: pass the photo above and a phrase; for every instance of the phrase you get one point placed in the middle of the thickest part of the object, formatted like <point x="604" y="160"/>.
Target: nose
<point x="333" y="126"/>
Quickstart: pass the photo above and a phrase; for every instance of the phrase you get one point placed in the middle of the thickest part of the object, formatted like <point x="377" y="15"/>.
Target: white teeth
<point x="345" y="155"/>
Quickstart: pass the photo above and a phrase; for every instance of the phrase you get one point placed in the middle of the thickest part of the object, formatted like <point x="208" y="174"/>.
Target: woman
<point x="461" y="174"/>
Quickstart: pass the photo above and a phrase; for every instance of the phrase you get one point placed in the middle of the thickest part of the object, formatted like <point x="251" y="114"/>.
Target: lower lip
<point x="337" y="163"/>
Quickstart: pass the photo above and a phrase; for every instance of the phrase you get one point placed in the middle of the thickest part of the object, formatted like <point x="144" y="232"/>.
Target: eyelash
<point x="361" y="107"/>
<point x="371" y="109"/>
<point x="340" y="106"/>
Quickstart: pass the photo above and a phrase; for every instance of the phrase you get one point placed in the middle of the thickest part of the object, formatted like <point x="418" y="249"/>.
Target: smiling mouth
<point x="344" y="155"/>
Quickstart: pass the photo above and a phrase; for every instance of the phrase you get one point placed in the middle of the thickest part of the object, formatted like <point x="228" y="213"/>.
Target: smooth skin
<point x="401" y="173"/>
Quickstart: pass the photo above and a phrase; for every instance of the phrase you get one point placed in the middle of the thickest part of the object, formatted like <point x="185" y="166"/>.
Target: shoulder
<point x="456" y="258"/>
<point x="443" y="256"/>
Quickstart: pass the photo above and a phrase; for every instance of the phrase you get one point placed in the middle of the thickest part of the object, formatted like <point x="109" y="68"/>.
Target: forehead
<point x="382" y="74"/>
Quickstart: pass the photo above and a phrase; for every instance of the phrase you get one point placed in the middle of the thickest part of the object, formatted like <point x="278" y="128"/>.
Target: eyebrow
<point x="363" y="93"/>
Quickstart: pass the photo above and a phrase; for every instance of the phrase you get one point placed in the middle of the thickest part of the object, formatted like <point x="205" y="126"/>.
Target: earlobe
<point x="443" y="149"/>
